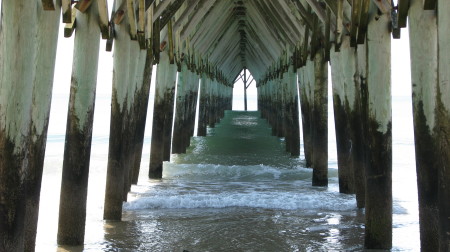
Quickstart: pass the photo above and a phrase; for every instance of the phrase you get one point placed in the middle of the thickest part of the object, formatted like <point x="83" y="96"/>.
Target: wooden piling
<point x="48" y="27"/>
<point x="378" y="226"/>
<point x="193" y="98"/>
<point x="115" y="176"/>
<point x="424" y="77"/>
<point x="294" y="112"/>
<point x="442" y="128"/>
<point x="180" y="126"/>
<point x="142" y="97"/>
<point x="164" y="90"/>
<point x="212" y="110"/>
<point x="342" y="71"/>
<point x="359" y="131"/>
<point x="18" y="37"/>
<point x="320" y="121"/>
<point x="135" y="74"/>
<point x="306" y="91"/>
<point x="72" y="208"/>
<point x="203" y="106"/>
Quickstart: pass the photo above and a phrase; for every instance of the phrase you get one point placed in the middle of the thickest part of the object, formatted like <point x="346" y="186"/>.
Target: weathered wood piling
<point x="17" y="76"/>
<point x="74" y="184"/>
<point x="48" y="23"/>
<point x="424" y="77"/>
<point x="115" y="178"/>
<point x="163" y="109"/>
<point x="285" y="45"/>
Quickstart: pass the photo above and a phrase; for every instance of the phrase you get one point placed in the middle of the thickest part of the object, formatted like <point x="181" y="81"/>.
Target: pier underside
<point x="200" y="48"/>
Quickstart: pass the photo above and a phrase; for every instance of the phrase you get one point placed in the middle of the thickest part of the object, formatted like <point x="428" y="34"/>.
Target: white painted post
<point x="72" y="208"/>
<point x="47" y="38"/>
<point x="442" y="128"/>
<point x="18" y="33"/>
<point x="424" y="76"/>
<point x="378" y="229"/>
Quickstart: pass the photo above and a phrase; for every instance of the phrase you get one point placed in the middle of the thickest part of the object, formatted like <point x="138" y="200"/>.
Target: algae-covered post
<point x="18" y="37"/>
<point x="180" y="126"/>
<point x="203" y="106"/>
<point x="72" y="208"/>
<point x="378" y="226"/>
<point x="342" y="70"/>
<point x="442" y="128"/>
<point x="169" y="95"/>
<point x="320" y="121"/>
<point x="47" y="38"/>
<point x="164" y="90"/>
<point x="424" y="76"/>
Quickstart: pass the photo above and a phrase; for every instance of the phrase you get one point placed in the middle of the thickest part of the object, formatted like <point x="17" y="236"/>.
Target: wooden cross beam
<point x="103" y="18"/>
<point x="385" y="6"/>
<point x="403" y="7"/>
<point x="66" y="6"/>
<point x="83" y="5"/>
<point x="70" y="27"/>
<point x="168" y="13"/>
<point x="48" y="5"/>
<point x="132" y="19"/>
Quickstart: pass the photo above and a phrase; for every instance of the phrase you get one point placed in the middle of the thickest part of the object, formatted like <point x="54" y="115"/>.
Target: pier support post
<point x="424" y="77"/>
<point x="204" y="106"/>
<point x="18" y="33"/>
<point x="342" y="71"/>
<point x="294" y="112"/>
<point x="48" y="29"/>
<point x="115" y="177"/>
<point x="378" y="227"/>
<point x="306" y="91"/>
<point x="142" y="97"/>
<point x="442" y="128"/>
<point x="135" y="75"/>
<point x="320" y="121"/>
<point x="359" y="126"/>
<point x="193" y="97"/>
<point x="164" y="90"/>
<point x="77" y="151"/>
<point x="180" y="125"/>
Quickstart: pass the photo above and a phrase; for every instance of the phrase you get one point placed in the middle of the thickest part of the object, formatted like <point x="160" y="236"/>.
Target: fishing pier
<point x="200" y="49"/>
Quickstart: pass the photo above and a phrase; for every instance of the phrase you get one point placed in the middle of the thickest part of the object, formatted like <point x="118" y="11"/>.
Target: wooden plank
<point x="83" y="5"/>
<point x="149" y="28"/>
<point x="402" y="12"/>
<point x="320" y="12"/>
<point x="70" y="28"/>
<point x="141" y="22"/>
<point x="170" y="11"/>
<point x="141" y="25"/>
<point x="355" y="22"/>
<point x="339" y="25"/>
<point x="66" y="6"/>
<point x="160" y="8"/>
<point x="132" y="19"/>
<point x="385" y="6"/>
<point x="171" y="42"/>
<point x="363" y="21"/>
<point x="333" y="5"/>
<point x="307" y="16"/>
<point x="103" y="18"/>
<point x="48" y="5"/>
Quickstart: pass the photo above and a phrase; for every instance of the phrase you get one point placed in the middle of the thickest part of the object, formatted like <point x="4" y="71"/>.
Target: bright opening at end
<point x="238" y="92"/>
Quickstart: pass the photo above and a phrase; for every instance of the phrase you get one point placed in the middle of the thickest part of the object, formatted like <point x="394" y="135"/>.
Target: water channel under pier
<point x="234" y="190"/>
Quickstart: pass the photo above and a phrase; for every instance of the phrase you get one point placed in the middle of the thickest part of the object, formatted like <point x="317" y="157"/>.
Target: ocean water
<point x="234" y="190"/>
